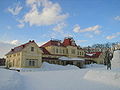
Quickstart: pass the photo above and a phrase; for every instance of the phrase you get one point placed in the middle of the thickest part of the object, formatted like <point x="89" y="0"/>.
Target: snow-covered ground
<point x="47" y="67"/>
<point x="103" y="76"/>
<point x="10" y="80"/>
<point x="55" y="77"/>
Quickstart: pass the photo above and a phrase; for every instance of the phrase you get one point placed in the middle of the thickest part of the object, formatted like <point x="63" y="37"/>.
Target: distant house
<point x="90" y="49"/>
<point x="2" y="61"/>
<point x="95" y="57"/>
<point x="27" y="55"/>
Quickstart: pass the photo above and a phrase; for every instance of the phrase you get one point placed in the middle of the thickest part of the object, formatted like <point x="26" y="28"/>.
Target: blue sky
<point x="87" y="21"/>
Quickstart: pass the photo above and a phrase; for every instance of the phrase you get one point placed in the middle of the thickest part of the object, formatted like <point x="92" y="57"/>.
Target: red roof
<point x="19" y="48"/>
<point x="69" y="42"/>
<point x="44" y="50"/>
<point x="66" y="42"/>
<point x="52" y="43"/>
<point x="93" y="54"/>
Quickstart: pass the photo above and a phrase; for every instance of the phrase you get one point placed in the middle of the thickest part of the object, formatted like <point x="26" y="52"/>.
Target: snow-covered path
<point x="62" y="80"/>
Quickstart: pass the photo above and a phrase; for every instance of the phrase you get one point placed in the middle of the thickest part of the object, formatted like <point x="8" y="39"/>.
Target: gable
<point x="22" y="47"/>
<point x="32" y="48"/>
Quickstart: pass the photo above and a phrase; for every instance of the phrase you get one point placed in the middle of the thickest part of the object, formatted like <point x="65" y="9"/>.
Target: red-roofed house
<point x="97" y="57"/>
<point x="27" y="55"/>
<point x="30" y="55"/>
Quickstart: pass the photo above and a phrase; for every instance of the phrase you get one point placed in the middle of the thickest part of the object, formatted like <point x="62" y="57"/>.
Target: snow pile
<point x="116" y="59"/>
<point x="107" y="77"/>
<point x="95" y="66"/>
<point x="49" y="67"/>
<point x="10" y="80"/>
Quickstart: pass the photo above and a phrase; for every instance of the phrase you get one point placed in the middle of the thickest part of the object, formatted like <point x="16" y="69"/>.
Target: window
<point x="63" y="51"/>
<point x="80" y="53"/>
<point x="67" y="51"/>
<point x="73" y="51"/>
<point x="53" y="50"/>
<point x="59" y="50"/>
<point x="31" y="63"/>
<point x="56" y="50"/>
<point x="32" y="48"/>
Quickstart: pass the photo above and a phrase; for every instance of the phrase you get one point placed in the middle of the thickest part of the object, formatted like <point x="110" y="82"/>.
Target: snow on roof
<point x="93" y="54"/>
<point x="63" y="58"/>
<point x="90" y="54"/>
<point x="70" y="59"/>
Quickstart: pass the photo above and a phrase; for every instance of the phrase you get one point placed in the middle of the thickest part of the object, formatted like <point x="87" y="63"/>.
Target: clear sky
<point x="87" y="21"/>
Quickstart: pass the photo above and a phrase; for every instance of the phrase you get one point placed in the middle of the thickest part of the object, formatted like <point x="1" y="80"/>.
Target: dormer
<point x="69" y="41"/>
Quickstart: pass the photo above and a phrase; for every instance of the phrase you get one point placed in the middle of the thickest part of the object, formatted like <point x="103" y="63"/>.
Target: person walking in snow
<point x="109" y="58"/>
<point x="109" y="65"/>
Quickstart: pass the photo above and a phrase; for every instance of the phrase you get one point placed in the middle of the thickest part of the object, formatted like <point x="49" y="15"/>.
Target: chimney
<point x="23" y="46"/>
<point x="33" y="41"/>
<point x="12" y="49"/>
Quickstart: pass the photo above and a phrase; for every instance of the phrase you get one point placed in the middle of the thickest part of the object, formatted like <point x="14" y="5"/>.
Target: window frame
<point x="32" y="49"/>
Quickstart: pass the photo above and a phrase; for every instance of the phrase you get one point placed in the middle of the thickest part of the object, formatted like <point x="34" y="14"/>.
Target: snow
<point x="103" y="76"/>
<point x="115" y="63"/>
<point x="95" y="66"/>
<point x="89" y="54"/>
<point x="56" y="77"/>
<point x="63" y="58"/>
<point x="69" y="59"/>
<point x="10" y="80"/>
<point x="47" y="67"/>
<point x="2" y="66"/>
